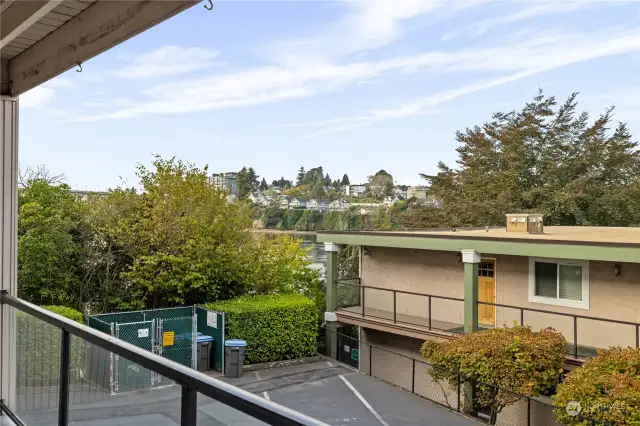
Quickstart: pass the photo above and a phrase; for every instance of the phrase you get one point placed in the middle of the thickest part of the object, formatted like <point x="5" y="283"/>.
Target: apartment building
<point x="434" y="284"/>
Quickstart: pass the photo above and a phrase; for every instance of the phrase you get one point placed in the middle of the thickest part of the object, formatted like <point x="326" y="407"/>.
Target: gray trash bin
<point x="205" y="351"/>
<point x="234" y="357"/>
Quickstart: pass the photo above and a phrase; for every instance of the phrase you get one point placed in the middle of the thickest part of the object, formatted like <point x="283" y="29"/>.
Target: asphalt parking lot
<point x="325" y="390"/>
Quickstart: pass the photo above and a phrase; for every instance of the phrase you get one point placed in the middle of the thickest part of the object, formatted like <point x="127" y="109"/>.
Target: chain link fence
<point x="417" y="376"/>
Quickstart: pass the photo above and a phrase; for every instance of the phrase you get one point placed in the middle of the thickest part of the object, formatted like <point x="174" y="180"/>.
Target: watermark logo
<point x="573" y="408"/>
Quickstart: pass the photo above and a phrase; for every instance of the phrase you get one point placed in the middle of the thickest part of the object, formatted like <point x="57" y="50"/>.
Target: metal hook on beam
<point x="210" y="5"/>
<point x="79" y="66"/>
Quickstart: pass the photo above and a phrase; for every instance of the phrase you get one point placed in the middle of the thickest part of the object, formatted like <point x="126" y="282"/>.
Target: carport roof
<point x="40" y="39"/>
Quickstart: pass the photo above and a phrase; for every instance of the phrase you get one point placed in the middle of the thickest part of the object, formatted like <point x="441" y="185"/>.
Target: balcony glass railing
<point x="64" y="373"/>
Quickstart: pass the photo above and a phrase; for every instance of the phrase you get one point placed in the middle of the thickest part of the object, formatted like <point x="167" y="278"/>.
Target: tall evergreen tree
<point x="546" y="158"/>
<point x="345" y="180"/>
<point x="263" y="185"/>
<point x="301" y="177"/>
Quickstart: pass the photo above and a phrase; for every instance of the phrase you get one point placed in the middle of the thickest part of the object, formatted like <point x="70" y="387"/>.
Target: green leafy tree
<point x="345" y="180"/>
<point x="48" y="251"/>
<point x="606" y="389"/>
<point x="380" y="184"/>
<point x="263" y="185"/>
<point x="502" y="364"/>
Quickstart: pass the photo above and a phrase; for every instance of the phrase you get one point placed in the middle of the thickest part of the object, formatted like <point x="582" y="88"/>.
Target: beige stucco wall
<point x="419" y="271"/>
<point x="439" y="273"/>
<point x="609" y="297"/>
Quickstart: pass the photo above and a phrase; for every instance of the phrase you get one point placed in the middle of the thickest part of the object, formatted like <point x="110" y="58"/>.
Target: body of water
<point x="315" y="251"/>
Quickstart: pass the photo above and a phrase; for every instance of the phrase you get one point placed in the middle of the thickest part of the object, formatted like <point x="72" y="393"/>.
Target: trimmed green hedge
<point x="275" y="327"/>
<point x="70" y="313"/>
<point x="38" y="348"/>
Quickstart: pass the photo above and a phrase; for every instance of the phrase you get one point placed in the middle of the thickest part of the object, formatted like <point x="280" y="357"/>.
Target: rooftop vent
<point x="530" y="223"/>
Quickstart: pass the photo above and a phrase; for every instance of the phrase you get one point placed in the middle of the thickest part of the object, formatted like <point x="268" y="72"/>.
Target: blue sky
<point x="351" y="86"/>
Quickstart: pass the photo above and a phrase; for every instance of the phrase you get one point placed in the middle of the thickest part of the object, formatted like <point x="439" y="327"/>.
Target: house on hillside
<point x="298" y="203"/>
<point x="434" y="284"/>
<point x="356" y="190"/>
<point x="391" y="200"/>
<point x="283" y="202"/>
<point x="319" y="205"/>
<point x="400" y="192"/>
<point x="418" y="192"/>
<point x="259" y="199"/>
<point x="339" y="205"/>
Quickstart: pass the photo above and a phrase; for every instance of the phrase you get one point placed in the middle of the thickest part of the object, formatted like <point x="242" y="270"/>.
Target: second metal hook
<point x="210" y="5"/>
<point x="79" y="66"/>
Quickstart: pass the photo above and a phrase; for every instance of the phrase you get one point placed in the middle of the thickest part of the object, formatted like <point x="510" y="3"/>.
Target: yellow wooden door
<point x="487" y="291"/>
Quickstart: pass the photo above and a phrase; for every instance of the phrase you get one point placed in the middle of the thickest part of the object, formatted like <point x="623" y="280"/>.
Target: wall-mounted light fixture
<point x="617" y="270"/>
<point x="459" y="257"/>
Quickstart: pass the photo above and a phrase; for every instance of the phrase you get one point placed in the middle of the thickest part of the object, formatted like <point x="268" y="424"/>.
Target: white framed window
<point x="559" y="282"/>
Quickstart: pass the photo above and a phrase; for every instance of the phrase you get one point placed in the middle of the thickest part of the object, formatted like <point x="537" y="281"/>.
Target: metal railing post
<point x="637" y="337"/>
<point x="370" y="358"/>
<point x="188" y="407"/>
<point x="394" y="307"/>
<point x="429" y="312"/>
<point x="65" y="365"/>
<point x="413" y="377"/>
<point x="575" y="336"/>
<point x="528" y="411"/>
<point x="521" y="316"/>
<point x="363" y="292"/>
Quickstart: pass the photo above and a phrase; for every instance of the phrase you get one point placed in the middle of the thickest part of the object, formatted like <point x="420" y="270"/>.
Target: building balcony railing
<point x="585" y="334"/>
<point x="57" y="371"/>
<point x="428" y="312"/>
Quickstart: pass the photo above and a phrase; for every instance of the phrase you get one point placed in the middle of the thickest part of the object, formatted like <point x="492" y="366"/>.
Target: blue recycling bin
<point x="234" y="357"/>
<point x="205" y="352"/>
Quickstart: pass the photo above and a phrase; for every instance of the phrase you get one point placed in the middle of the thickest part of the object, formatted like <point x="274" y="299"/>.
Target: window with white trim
<point x="559" y="282"/>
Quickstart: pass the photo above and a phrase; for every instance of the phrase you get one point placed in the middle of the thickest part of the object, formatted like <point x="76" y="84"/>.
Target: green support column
<point x="331" y="278"/>
<point x="471" y="260"/>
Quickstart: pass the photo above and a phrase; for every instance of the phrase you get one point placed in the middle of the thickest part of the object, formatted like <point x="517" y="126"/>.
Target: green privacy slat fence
<point x="170" y="332"/>
<point x="129" y="376"/>
<point x="209" y="326"/>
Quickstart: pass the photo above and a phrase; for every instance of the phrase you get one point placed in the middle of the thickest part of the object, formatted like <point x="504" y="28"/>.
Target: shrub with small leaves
<point x="604" y="390"/>
<point x="502" y="363"/>
<point x="275" y="327"/>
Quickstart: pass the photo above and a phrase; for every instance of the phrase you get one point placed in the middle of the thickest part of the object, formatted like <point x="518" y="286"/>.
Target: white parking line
<point x="364" y="401"/>
<point x="329" y="364"/>
<point x="258" y="376"/>
<point x="266" y="396"/>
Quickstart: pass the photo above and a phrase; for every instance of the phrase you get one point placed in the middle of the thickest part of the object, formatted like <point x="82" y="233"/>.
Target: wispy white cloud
<point x="270" y="84"/>
<point x="167" y="61"/>
<point x="37" y="97"/>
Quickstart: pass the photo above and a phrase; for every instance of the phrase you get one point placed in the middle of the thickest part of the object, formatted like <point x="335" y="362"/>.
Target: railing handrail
<point x="246" y="402"/>
<point x="501" y="305"/>
<point x="457" y="299"/>
<point x="544" y="311"/>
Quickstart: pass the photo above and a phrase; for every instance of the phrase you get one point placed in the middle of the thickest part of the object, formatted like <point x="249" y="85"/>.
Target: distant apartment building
<point x="225" y="181"/>
<point x="84" y="195"/>
<point x="355" y="190"/>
